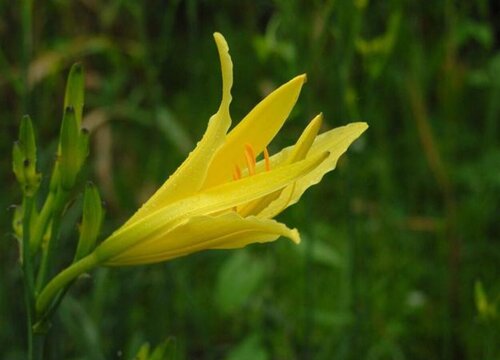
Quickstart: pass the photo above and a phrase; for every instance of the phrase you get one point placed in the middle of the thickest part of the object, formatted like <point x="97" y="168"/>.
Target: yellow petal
<point x="299" y="152"/>
<point x="189" y="177"/>
<point x="227" y="231"/>
<point x="211" y="201"/>
<point x="336" y="142"/>
<point x="306" y="139"/>
<point x="257" y="129"/>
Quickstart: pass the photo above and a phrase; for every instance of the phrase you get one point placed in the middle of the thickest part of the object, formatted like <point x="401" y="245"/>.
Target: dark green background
<point x="393" y="240"/>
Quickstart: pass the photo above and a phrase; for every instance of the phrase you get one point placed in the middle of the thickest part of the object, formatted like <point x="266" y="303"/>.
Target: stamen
<point x="250" y="158"/>
<point x="266" y="159"/>
<point x="236" y="173"/>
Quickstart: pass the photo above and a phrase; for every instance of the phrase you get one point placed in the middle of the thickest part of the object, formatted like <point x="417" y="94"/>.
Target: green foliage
<point x="238" y="279"/>
<point x="393" y="240"/>
<point x="164" y="351"/>
<point x="38" y="229"/>
<point x="486" y="308"/>
<point x="250" y="349"/>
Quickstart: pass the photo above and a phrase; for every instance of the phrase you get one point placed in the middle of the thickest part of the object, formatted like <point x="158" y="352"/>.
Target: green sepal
<point x="24" y="158"/>
<point x="75" y="95"/>
<point x="90" y="227"/>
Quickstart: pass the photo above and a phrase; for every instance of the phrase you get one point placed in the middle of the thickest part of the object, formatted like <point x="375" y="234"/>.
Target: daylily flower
<point x="221" y="197"/>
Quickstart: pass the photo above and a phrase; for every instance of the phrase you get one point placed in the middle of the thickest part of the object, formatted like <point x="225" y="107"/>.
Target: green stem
<point x="62" y="279"/>
<point x="35" y="342"/>
<point x="27" y="45"/>
<point x="55" y="213"/>
<point x="41" y="223"/>
<point x="38" y="342"/>
<point x="27" y="271"/>
<point x="42" y="321"/>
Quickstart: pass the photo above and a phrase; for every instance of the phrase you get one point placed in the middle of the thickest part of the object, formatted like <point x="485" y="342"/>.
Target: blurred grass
<point x="393" y="240"/>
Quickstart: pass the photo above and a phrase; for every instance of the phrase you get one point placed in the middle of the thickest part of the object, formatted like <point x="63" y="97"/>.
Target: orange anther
<point x="250" y="158"/>
<point x="266" y="159"/>
<point x="236" y="173"/>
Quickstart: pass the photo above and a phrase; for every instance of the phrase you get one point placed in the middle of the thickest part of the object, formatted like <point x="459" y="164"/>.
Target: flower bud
<point x="90" y="227"/>
<point x="74" y="95"/>
<point x="24" y="158"/>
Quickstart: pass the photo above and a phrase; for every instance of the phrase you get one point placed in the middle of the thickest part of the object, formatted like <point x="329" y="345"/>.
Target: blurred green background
<point x="394" y="240"/>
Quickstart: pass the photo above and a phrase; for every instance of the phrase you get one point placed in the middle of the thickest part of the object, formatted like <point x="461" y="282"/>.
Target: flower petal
<point x="257" y="129"/>
<point x="336" y="142"/>
<point x="227" y="231"/>
<point x="306" y="139"/>
<point x="211" y="201"/>
<point x="298" y="152"/>
<point x="189" y="177"/>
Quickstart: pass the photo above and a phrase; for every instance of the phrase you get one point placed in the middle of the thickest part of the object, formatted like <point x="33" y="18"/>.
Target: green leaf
<point x="249" y="349"/>
<point x="173" y="130"/>
<point x="165" y="351"/>
<point x="321" y="253"/>
<point x="485" y="308"/>
<point x="143" y="353"/>
<point x="237" y="280"/>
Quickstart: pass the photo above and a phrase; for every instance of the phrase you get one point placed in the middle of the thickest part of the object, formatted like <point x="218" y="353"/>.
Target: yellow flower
<point x="221" y="197"/>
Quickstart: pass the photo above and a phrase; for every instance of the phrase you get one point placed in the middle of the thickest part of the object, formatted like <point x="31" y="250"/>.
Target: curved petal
<point x="257" y="129"/>
<point x="211" y="201"/>
<point x="189" y="177"/>
<point x="335" y="142"/>
<point x="228" y="231"/>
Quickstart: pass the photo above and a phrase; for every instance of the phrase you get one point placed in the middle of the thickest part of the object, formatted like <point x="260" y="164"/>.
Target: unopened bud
<point x="24" y="158"/>
<point x="90" y="227"/>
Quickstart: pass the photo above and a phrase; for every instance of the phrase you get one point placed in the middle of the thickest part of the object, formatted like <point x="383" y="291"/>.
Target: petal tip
<point x="295" y="236"/>
<point x="362" y="125"/>
<point x="358" y="127"/>
<point x="301" y="78"/>
<point x="227" y="70"/>
<point x="219" y="38"/>
<point x="318" y="119"/>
